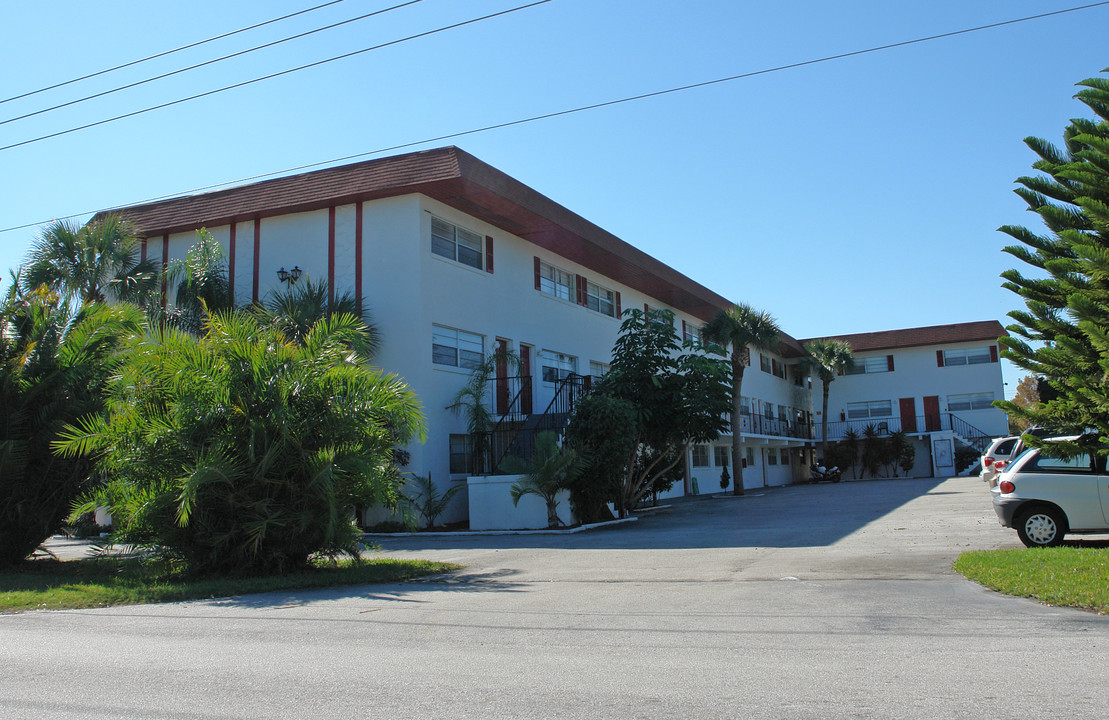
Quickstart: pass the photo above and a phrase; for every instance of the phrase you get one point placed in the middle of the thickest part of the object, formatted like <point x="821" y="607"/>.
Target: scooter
<point x="822" y="474"/>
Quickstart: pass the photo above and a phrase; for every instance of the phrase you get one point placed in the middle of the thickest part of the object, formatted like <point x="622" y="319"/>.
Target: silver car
<point x="1044" y="498"/>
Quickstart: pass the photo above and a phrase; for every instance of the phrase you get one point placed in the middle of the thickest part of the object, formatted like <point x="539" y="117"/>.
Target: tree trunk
<point x="824" y="427"/>
<point x="737" y="461"/>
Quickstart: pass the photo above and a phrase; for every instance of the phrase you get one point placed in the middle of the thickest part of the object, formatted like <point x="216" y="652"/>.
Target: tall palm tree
<point x="829" y="357"/>
<point x="202" y="285"/>
<point x="296" y="309"/>
<point x="92" y="262"/>
<point x="741" y="328"/>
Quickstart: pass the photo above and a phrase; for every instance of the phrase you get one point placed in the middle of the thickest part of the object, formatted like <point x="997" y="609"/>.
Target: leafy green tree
<point x="1027" y="396"/>
<point x="239" y="452"/>
<point x="680" y="396"/>
<point x="550" y="470"/>
<point x="605" y="428"/>
<point x="1062" y="334"/>
<point x="54" y="361"/>
<point x="90" y="263"/>
<point x="427" y="500"/>
<point x="828" y="357"/>
<point x="741" y="328"/>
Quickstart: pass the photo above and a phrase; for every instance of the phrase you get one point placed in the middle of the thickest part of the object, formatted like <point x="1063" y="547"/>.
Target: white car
<point x="999" y="452"/>
<point x="1043" y="498"/>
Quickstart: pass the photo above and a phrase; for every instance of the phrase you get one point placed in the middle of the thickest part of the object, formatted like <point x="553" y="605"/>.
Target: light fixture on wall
<point x="289" y="276"/>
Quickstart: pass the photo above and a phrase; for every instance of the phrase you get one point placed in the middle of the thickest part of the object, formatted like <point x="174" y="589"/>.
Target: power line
<point x="273" y="75"/>
<point x="582" y="108"/>
<point x="210" y="62"/>
<point x="170" y="52"/>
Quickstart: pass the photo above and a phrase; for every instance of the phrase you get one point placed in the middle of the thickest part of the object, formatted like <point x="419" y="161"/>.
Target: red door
<point x="932" y="413"/>
<point x="525" y="378"/>
<point x="908" y="415"/>
<point x="502" y="377"/>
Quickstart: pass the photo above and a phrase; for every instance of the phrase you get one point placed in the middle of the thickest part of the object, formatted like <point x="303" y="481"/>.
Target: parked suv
<point x="1000" y="451"/>
<point x="1044" y="497"/>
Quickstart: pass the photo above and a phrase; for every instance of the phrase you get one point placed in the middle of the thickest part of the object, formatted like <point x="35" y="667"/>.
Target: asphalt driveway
<point x="830" y="601"/>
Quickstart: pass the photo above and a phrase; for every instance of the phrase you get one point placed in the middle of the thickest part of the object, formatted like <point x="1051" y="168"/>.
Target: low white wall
<point x="491" y="505"/>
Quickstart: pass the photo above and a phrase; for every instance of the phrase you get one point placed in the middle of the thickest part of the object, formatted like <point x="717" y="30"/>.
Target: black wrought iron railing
<point x="774" y="427"/>
<point x="514" y="434"/>
<point x="937" y="422"/>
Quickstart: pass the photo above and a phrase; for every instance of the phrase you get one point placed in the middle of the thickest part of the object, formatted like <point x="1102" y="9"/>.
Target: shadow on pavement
<point x="787" y="517"/>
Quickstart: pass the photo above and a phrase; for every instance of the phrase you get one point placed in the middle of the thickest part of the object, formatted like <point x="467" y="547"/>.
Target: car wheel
<point x="1041" y="527"/>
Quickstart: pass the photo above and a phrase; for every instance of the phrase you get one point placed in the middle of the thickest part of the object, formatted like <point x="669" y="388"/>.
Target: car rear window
<point x="1006" y="446"/>
<point x="1076" y="464"/>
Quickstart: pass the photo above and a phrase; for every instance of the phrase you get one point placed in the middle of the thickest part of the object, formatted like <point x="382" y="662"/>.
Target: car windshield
<point x="1013" y="462"/>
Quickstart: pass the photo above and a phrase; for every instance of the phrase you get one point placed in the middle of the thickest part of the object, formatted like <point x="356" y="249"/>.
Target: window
<point x="869" y="366"/>
<point x="783" y="413"/>
<point x="455" y="243"/>
<point x="556" y="282"/>
<point x="744" y="405"/>
<point x="872" y="409"/>
<point x="1077" y="464"/>
<point x="785" y="456"/>
<point x="771" y="457"/>
<point x="456" y="348"/>
<point x="556" y="366"/>
<point x="764" y="363"/>
<point x="722" y="455"/>
<point x="970" y="401"/>
<point x="768" y="411"/>
<point x="750" y="456"/>
<point x="598" y="369"/>
<point x="600" y="299"/>
<point x="700" y="456"/>
<point x="691" y="333"/>
<point x="973" y="356"/>
<point x="461" y="452"/>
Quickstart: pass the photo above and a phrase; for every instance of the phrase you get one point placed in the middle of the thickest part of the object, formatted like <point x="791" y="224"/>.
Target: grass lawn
<point x="47" y="584"/>
<point x="1064" y="576"/>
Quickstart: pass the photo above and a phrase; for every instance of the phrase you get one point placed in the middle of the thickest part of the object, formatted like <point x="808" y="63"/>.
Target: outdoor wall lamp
<point x="289" y="276"/>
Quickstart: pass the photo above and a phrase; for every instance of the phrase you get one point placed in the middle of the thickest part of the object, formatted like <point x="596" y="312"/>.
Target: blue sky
<point x="849" y="196"/>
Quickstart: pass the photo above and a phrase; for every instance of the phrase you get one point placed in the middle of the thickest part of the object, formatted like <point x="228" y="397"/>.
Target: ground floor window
<point x="557" y="366"/>
<point x="722" y="456"/>
<point x="456" y="348"/>
<point x="785" y="456"/>
<point x="461" y="454"/>
<point x="700" y="456"/>
<point x="771" y="457"/>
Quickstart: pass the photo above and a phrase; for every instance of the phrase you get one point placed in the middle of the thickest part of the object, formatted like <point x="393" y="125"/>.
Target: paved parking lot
<point x="830" y="601"/>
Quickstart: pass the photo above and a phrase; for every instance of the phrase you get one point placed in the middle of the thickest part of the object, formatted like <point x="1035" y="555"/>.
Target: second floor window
<point x="455" y="243"/>
<point x="600" y="299"/>
<point x="972" y="356"/>
<point x="872" y="409"/>
<point x="456" y="348"/>
<point x="869" y="366"/>
<point x="556" y="282"/>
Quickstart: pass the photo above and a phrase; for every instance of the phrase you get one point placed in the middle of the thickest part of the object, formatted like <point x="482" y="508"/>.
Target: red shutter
<point x="619" y="312"/>
<point x="939" y="358"/>
<point x="993" y="353"/>
<point x="488" y="254"/>
<point x="683" y="330"/>
<point x="537" y="275"/>
<point x="889" y="362"/>
<point x="773" y="366"/>
<point x="646" y="308"/>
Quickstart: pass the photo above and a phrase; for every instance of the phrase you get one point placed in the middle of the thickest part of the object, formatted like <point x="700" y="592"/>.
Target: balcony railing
<point x="909" y="425"/>
<point x="762" y="425"/>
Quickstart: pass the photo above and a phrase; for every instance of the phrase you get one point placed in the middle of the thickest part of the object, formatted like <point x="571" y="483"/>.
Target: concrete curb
<point x="545" y="531"/>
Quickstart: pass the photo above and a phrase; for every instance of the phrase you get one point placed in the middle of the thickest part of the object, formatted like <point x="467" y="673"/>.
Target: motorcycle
<point x="821" y="474"/>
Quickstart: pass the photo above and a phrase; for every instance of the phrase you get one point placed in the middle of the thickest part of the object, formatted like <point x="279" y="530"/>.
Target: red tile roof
<point x="989" y="330"/>
<point x="460" y="180"/>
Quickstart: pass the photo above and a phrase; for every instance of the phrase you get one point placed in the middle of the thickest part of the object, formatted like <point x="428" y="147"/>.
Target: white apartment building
<point x="454" y="258"/>
<point x="937" y="384"/>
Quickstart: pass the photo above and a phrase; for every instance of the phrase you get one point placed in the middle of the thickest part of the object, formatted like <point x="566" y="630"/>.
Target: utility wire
<point x="533" y="118"/>
<point x="170" y="52"/>
<point x="273" y="75"/>
<point x="210" y="62"/>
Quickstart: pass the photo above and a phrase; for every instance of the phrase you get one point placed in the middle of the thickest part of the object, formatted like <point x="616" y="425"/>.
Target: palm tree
<point x="549" y="471"/>
<point x="202" y="285"/>
<point x="829" y="357"/>
<point x="471" y="400"/>
<point x="296" y="309"/>
<point x="91" y="262"/>
<point x="54" y="362"/>
<point x="741" y="327"/>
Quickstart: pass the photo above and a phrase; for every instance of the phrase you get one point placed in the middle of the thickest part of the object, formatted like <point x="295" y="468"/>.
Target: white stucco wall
<point x="492" y="508"/>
